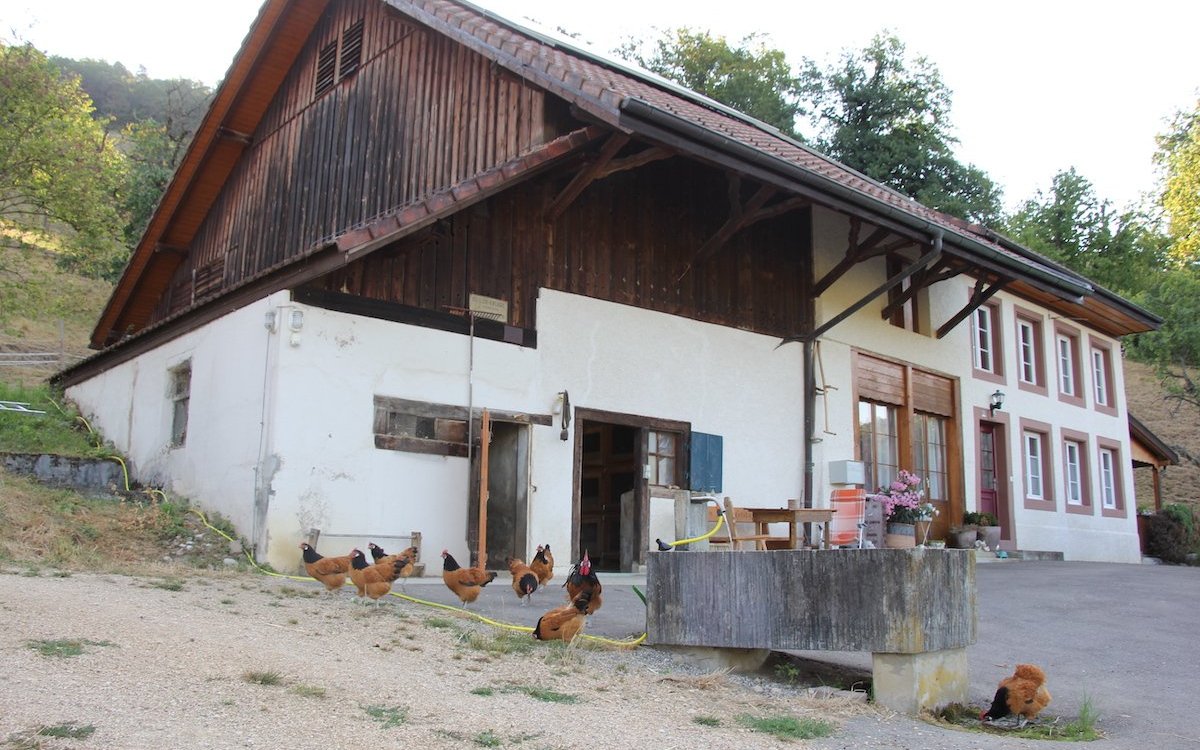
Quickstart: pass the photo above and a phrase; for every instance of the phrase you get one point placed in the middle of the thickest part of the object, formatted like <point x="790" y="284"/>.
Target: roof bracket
<point x="587" y="176"/>
<point x="856" y="252"/>
<point x="981" y="294"/>
<point x="740" y="216"/>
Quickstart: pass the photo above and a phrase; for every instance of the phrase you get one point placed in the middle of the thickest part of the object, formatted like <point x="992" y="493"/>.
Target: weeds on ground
<point x="64" y="647"/>
<point x="68" y="730"/>
<point x="1081" y="729"/>
<point x="542" y="694"/>
<point x="168" y="584"/>
<point x="309" y="691"/>
<point x="706" y="721"/>
<point x="60" y="430"/>
<point x="502" y="643"/>
<point x="263" y="677"/>
<point x="787" y="727"/>
<point x="487" y="738"/>
<point x="388" y="716"/>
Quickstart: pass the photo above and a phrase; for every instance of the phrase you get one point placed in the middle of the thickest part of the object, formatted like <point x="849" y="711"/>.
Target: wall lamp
<point x="996" y="402"/>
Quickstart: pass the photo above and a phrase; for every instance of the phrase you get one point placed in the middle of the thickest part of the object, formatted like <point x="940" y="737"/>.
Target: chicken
<point x="466" y="583"/>
<point x="1023" y="694"/>
<point x="524" y="580"/>
<point x="409" y="555"/>
<point x="542" y="565"/>
<point x="582" y="579"/>
<point x="563" y="623"/>
<point x="375" y="580"/>
<point x="330" y="571"/>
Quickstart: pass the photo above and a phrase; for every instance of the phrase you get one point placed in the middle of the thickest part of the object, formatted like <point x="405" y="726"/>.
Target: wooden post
<point x="485" y="437"/>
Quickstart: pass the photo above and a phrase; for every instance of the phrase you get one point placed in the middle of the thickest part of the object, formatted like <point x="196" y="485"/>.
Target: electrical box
<point x="847" y="472"/>
<point x="706" y="462"/>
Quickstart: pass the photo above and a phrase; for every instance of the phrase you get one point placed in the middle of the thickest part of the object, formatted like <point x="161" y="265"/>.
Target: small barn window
<point x="180" y="396"/>
<point x="326" y="68"/>
<point x="420" y="427"/>
<point x="352" y="39"/>
<point x="340" y="59"/>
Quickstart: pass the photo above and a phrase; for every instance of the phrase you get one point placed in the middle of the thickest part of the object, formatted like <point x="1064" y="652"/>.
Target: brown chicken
<point x="542" y="565"/>
<point x="524" y="580"/>
<point x="331" y="571"/>
<point x="583" y="579"/>
<point x="374" y="581"/>
<point x="563" y="623"/>
<point x="466" y="583"/>
<point x="1023" y="694"/>
<point x="409" y="556"/>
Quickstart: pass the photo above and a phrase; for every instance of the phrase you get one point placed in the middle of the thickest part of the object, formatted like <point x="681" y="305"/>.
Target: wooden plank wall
<point x="627" y="239"/>
<point x="877" y="600"/>
<point x="421" y="114"/>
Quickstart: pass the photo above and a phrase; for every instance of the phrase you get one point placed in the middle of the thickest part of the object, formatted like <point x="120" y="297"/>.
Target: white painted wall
<point x="1078" y="537"/>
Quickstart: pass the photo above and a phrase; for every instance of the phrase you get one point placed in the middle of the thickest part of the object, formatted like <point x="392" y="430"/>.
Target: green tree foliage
<point x="1179" y="156"/>
<point x="749" y="76"/>
<point x="57" y="167"/>
<point x="888" y="115"/>
<point x="1069" y="223"/>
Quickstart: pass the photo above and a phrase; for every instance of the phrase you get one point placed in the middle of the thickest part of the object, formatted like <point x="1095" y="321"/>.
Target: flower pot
<point x="900" y="536"/>
<point x="963" y="538"/>
<point x="990" y="536"/>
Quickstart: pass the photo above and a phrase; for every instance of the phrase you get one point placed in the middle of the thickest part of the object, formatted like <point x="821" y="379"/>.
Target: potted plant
<point x="988" y="529"/>
<point x="925" y="513"/>
<point x="963" y="537"/>
<point x="901" y="502"/>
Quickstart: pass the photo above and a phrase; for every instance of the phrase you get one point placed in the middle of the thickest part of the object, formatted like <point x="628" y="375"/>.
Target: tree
<point x="888" y="117"/>
<point x="750" y="77"/>
<point x="57" y="167"/>
<point x="1179" y="156"/>
<point x="1072" y="225"/>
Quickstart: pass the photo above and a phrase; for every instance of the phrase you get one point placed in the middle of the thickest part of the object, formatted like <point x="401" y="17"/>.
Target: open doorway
<point x="508" y="495"/>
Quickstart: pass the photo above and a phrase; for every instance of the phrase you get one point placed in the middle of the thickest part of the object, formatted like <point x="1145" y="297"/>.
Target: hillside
<point x="1175" y="424"/>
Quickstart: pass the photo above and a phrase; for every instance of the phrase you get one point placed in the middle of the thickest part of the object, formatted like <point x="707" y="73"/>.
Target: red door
<point x="987" y="469"/>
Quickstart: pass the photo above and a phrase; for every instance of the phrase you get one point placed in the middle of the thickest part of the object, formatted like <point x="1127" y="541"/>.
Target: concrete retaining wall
<point x="80" y="473"/>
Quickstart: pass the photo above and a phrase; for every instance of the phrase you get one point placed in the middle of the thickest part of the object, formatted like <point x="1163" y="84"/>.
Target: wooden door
<point x="988" y="495"/>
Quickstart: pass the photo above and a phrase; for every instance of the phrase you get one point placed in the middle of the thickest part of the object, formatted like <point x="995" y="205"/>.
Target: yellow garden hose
<point x="667" y="546"/>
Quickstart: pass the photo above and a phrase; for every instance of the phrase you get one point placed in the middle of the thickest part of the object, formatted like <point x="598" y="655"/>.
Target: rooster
<point x="409" y="556"/>
<point x="330" y="571"/>
<point x="524" y="580"/>
<point x="466" y="583"/>
<point x="563" y="623"/>
<point x="375" y="580"/>
<point x="1023" y="694"/>
<point x="542" y="565"/>
<point x="583" y="579"/>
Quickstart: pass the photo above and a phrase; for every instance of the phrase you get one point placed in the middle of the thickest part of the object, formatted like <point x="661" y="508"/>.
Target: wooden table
<point x="763" y="517"/>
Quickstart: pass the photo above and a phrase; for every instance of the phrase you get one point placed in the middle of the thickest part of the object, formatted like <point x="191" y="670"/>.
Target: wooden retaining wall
<point x="877" y="600"/>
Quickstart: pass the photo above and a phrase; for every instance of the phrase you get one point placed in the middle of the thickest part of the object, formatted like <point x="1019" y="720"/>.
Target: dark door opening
<point x="508" y="495"/>
<point x="993" y="474"/>
<point x="611" y="466"/>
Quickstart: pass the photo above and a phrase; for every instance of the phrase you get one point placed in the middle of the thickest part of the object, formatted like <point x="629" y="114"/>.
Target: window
<point x="1103" y="392"/>
<point x="1077" y="478"/>
<point x="878" y="443"/>
<point x="420" y="427"/>
<point x="929" y="455"/>
<point x="985" y="343"/>
<point x="1066" y="353"/>
<point x="1112" y="493"/>
<point x="907" y="306"/>
<point x="1036" y="460"/>
<point x="1031" y="368"/>
<point x="332" y="67"/>
<point x="1108" y="479"/>
<point x="1034" y="466"/>
<point x="180" y="396"/>
<point x="661" y="452"/>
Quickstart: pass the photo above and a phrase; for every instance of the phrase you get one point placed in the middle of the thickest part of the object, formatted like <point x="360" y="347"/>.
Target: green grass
<point x="1081" y="729"/>
<point x="487" y="738"/>
<point x="168" y="584"/>
<point x="787" y="727"/>
<point x="542" y="694"/>
<point x="706" y="721"/>
<point x="504" y="642"/>
<point x="69" y="730"/>
<point x="309" y="691"/>
<point x="64" y="647"/>
<point x="388" y="716"/>
<point x="59" y="431"/>
<point x="485" y="691"/>
<point x="439" y="622"/>
<point x="263" y="677"/>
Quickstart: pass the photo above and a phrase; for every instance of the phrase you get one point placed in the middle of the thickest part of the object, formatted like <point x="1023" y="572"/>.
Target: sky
<point x="1038" y="87"/>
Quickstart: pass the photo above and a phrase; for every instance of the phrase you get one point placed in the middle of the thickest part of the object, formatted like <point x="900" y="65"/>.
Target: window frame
<point x="344" y="51"/>
<point x="1071" y="336"/>
<point x="871" y="475"/>
<point x="1035" y="323"/>
<point x="656" y="459"/>
<point x="995" y="372"/>
<point x="440" y="422"/>
<point x="1103" y="349"/>
<point x="1113" y="448"/>
<point x="1082" y="444"/>
<point x="1044" y="434"/>
<point x="179" y="393"/>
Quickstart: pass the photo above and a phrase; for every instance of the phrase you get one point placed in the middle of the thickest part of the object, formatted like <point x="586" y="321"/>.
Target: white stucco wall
<point x="1078" y="537"/>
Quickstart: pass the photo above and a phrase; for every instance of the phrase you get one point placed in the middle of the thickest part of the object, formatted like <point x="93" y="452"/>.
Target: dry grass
<point x="1177" y="425"/>
<point x="715" y="679"/>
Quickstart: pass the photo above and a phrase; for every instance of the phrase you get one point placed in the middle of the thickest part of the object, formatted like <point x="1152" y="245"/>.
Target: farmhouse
<point x="400" y="214"/>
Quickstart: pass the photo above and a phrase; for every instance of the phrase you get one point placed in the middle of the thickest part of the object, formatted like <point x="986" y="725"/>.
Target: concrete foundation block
<point x="911" y="683"/>
<point x="713" y="659"/>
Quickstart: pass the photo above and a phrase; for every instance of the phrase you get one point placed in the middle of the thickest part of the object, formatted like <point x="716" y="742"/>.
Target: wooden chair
<point x="735" y="516"/>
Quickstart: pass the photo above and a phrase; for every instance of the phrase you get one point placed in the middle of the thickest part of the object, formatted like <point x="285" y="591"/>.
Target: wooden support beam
<point x="777" y="209"/>
<point x="734" y="224"/>
<point x="924" y="278"/>
<point x="980" y="295"/>
<point x="589" y="174"/>
<point x="641" y="158"/>
<point x="856" y="252"/>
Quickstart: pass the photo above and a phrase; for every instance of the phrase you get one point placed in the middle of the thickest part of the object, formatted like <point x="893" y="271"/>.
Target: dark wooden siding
<point x="627" y="239"/>
<point x="421" y="114"/>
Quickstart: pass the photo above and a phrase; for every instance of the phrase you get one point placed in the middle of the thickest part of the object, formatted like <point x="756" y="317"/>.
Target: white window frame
<point x="1073" y="472"/>
<point x="1066" y="364"/>
<point x="1035" y="480"/>
<point x="1100" y="377"/>
<point x="985" y="356"/>
<point x="1108" y="478"/>
<point x="1027" y="352"/>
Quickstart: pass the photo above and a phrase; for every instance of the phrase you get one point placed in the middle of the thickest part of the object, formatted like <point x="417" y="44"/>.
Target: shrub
<point x="1166" y="537"/>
